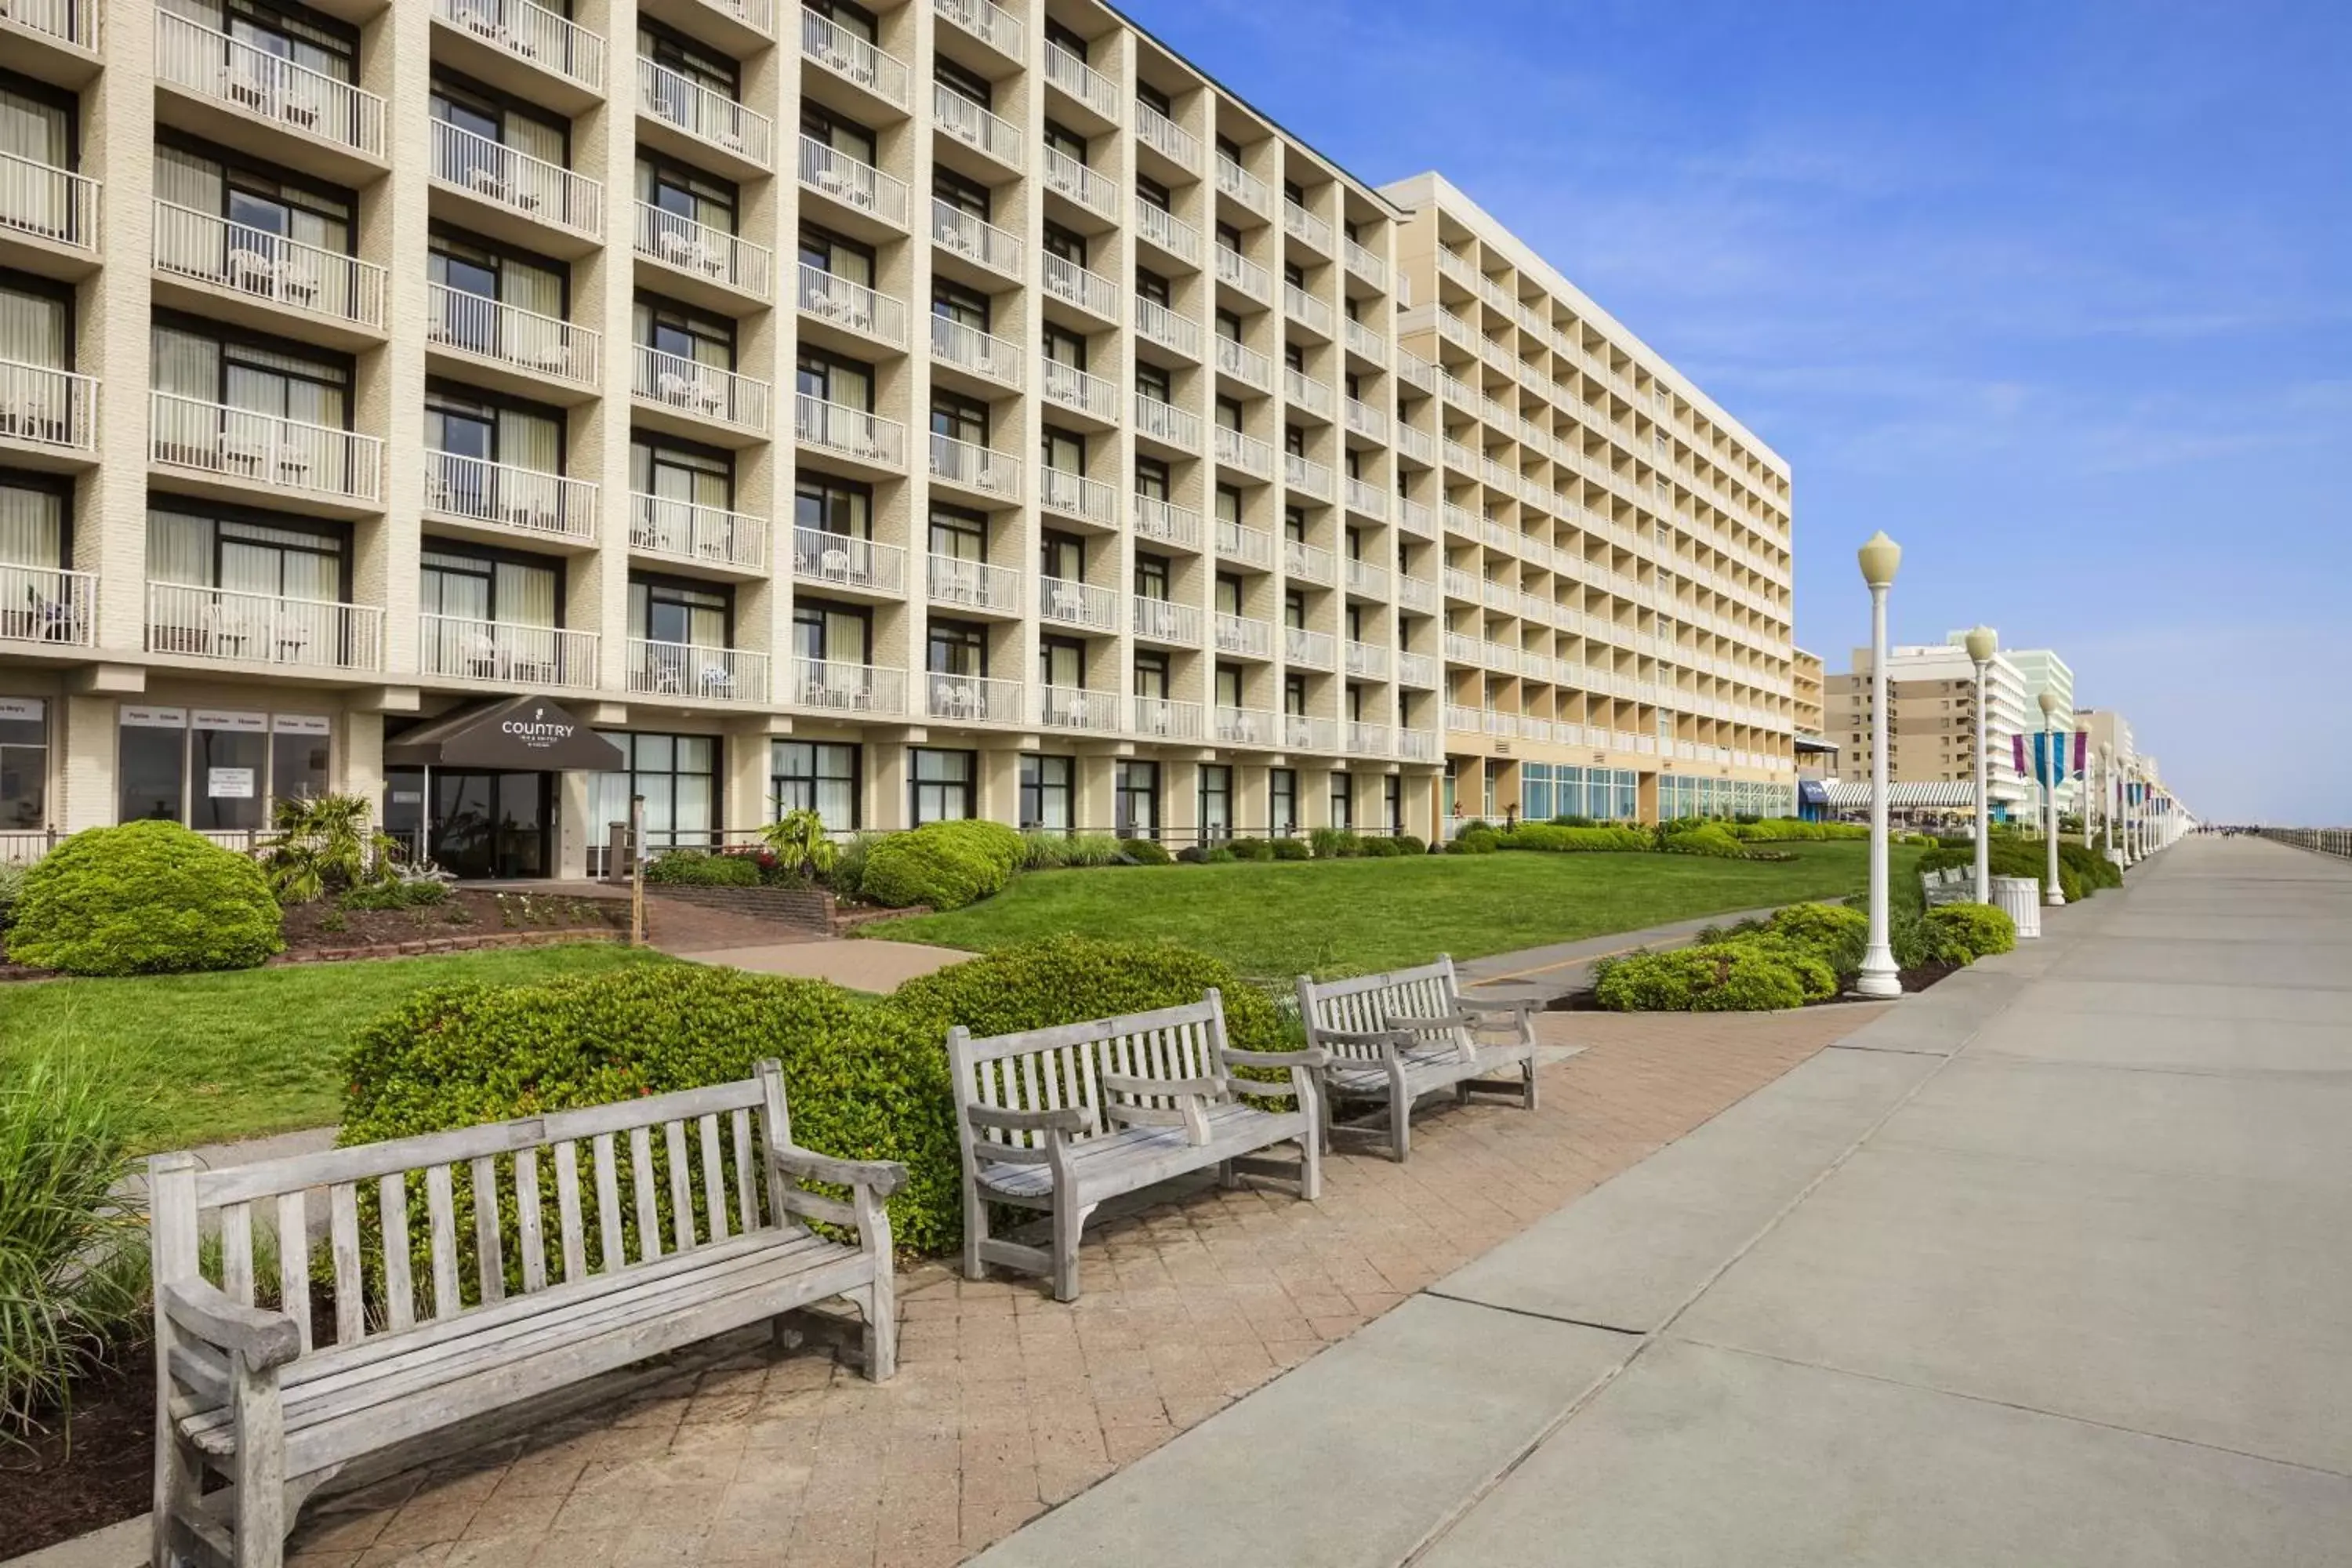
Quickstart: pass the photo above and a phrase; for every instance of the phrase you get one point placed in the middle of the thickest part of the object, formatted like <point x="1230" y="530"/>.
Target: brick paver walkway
<point x="1006" y="1403"/>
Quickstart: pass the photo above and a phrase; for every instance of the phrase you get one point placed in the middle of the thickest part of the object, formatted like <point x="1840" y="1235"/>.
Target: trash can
<point x="2019" y="898"/>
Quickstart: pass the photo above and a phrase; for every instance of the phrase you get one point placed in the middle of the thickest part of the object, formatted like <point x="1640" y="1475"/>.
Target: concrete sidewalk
<point x="2044" y="1266"/>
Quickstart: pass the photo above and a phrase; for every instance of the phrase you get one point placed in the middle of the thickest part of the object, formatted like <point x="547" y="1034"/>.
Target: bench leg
<point x="975" y="1229"/>
<point x="880" y="1298"/>
<point x="259" y="1469"/>
<point x="1227" y="1177"/>
<point x="1311" y="1166"/>
<point x="1400" y="1115"/>
<point x="1068" y="1221"/>
<point x="1528" y="1075"/>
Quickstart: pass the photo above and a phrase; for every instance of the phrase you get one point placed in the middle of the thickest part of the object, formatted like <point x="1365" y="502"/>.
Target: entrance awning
<point x="1854" y="795"/>
<point x="519" y="735"/>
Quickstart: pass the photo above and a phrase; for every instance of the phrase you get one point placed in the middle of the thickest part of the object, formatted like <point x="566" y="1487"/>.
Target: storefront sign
<point x="137" y="717"/>
<point x="301" y="724"/>
<point x="236" y="723"/>
<point x="24" y="710"/>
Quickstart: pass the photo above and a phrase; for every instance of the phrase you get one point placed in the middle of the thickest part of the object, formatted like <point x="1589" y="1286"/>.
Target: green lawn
<point x="215" y="1057"/>
<point x="1273" y="921"/>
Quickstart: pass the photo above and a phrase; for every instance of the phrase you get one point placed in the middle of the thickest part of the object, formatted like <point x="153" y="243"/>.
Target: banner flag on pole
<point x="2050" y="755"/>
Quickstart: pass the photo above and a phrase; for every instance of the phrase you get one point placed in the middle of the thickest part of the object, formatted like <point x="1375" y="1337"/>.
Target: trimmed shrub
<point x="146" y="898"/>
<point x="694" y="868"/>
<point x="1962" y="933"/>
<point x="946" y="865"/>
<point x="1377" y="846"/>
<point x="862" y="1083"/>
<point x="1711" y="839"/>
<point x="1476" y="838"/>
<point x="1558" y="839"/>
<point x="1070" y="979"/>
<point x="1251" y="848"/>
<point x="1831" y="932"/>
<point x="1292" y="849"/>
<point x="994" y="842"/>
<point x="11" y="887"/>
<point x="1145" y="851"/>
<point x="1719" y="978"/>
<point x="1218" y="854"/>
<point x="1788" y="829"/>
<point x="1408" y="845"/>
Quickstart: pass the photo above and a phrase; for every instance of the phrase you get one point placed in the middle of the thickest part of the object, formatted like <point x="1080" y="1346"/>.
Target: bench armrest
<point x="882" y="1177"/>
<point x="260" y="1338"/>
<point x="1069" y="1120"/>
<point x="1312" y="1056"/>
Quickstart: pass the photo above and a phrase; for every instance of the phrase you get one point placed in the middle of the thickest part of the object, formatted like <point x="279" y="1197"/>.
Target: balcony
<point x="1363" y="343"/>
<point x="1065" y="176"/>
<point x="1075" y="495"/>
<point x="216" y="441"/>
<point x="1365" y="578"/>
<point x="1155" y="322"/>
<point x="847" y="432"/>
<point x="1418" y="444"/>
<point x="1073" y="388"/>
<point x="57" y="22"/>
<point x="45" y="604"/>
<point x="1076" y="707"/>
<point x="268" y="268"/>
<point x="1304" y="226"/>
<point x="712" y="257"/>
<point x="196" y="622"/>
<point x="972" y="585"/>
<point x="1301" y="733"/>
<point x="538" y="348"/>
<point x="975" y="127"/>
<point x="1462" y="719"/>
<point x="843" y="561"/>
<point x="1243" y="726"/>
<point x="1418" y="670"/>
<point x="983" y="244"/>
<point x="517" y="184"/>
<point x="547" y="44"/>
<point x="1308" y="649"/>
<point x="698" y="670"/>
<point x="338" y="129"/>
<point x="973" y="698"/>
<point x="1166" y="523"/>
<point x="1416" y="518"/>
<point x="1305" y="309"/>
<point x="508" y="499"/>
<point x="1364" y="264"/>
<point x="852" y="307"/>
<point x="1073" y="76"/>
<point x="853" y="59"/>
<point x="1244" y="636"/>
<point x="1246" y="546"/>
<point x="1157" y="226"/>
<point x="833" y="686"/>
<point x="1246" y="453"/>
<point x="1239" y="272"/>
<point x="1244" y="187"/>
<point x="1308" y="562"/>
<point x="1306" y="476"/>
<point x="450" y="647"/>
<point x="56" y="209"/>
<point x="48" y="411"/>
<point x="1367" y="739"/>
<point x="707" y="536"/>
<point x="1159" y="719"/>
<point x="678" y="385"/>
<point x="1366" y="660"/>
<point x="709" y="121"/>
<point x="1416" y="371"/>
<point x="1418" y="746"/>
<point x="860" y="187"/>
<point x="1245" y="364"/>
<point x="1366" y="499"/>
<point x="1165" y="621"/>
<point x="1363" y="419"/>
<point x="992" y="25"/>
<point x="1167" y="423"/>
<point x="994" y="474"/>
<point x="1165" y="137"/>
<point x="1072" y="285"/>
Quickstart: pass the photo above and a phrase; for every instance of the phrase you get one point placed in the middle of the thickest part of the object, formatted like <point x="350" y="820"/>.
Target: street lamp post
<point x="2107" y="804"/>
<point x="1982" y="644"/>
<point x="1879" y="559"/>
<point x="2053" y="896"/>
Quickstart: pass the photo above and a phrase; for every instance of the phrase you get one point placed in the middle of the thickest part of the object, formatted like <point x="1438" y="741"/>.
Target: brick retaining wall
<point x="804" y="909"/>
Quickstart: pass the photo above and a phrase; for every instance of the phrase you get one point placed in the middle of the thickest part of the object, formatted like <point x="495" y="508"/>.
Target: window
<point x="1152" y="581"/>
<point x="1228" y="684"/>
<point x="266" y="206"/>
<point x="680" y="195"/>
<point x="965" y="307"/>
<point x="1061" y="555"/>
<point x="1229" y="593"/>
<point x="1294" y="523"/>
<point x="956" y="647"/>
<point x="468" y="269"/>
<point x="942" y="784"/>
<point x="1151" y="478"/>
<point x="967" y="196"/>
<point x="1282" y="797"/>
<point x="830" y="633"/>
<point x="24" y="762"/>
<point x="959" y="417"/>
<point x="1066" y="243"/>
<point x="1064" y="451"/>
<point x="1229" y="326"/>
<point x="1063" y="346"/>
<point x="153" y="764"/>
<point x="292" y="33"/>
<point x="1293" y="440"/>
<point x="1151" y="286"/>
<point x="1343" y="809"/>
<point x="697" y="614"/>
<point x="830" y="378"/>
<point x="678" y="776"/>
<point x="1152" y="98"/>
<point x="698" y="337"/>
<point x="1216" y="803"/>
<point x="1062" y="662"/>
<point x="1151" y="679"/>
<point x="682" y="480"/>
<point x="815" y="776"/>
<point x="1152" y="381"/>
<point x="831" y="254"/>
<point x="701" y="66"/>
<point x="1392" y="804"/>
<point x="967" y="85"/>
<point x="1151" y="192"/>
<point x="1229" y="505"/>
<point x="844" y="136"/>
<point x="1294" y="193"/>
<point x="829" y="505"/>
<point x="1294" y="357"/>
<point x="462" y="586"/>
<point x="1294" y="696"/>
<point x="464" y="424"/>
<point x="1135" y="800"/>
<point x="240" y="554"/>
<point x="199" y="362"/>
<point x="1229" y="238"/>
<point x="1293" y="609"/>
<point x="36" y="516"/>
<point x="1229" y="150"/>
<point x="1048" y="791"/>
<point x="211" y="769"/>
<point x="958" y="534"/>
<point x="1067" y="142"/>
<point x="849" y="17"/>
<point x="1060" y="36"/>
<point x="1229" y="413"/>
<point x="490" y="119"/>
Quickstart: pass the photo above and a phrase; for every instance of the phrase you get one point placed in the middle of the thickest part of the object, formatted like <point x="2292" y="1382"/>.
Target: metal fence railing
<point x="2325" y="840"/>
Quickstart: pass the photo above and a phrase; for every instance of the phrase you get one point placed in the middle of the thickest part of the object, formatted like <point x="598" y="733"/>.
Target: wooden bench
<point x="1063" y="1119"/>
<point x="682" y="1218"/>
<point x="1399" y="1036"/>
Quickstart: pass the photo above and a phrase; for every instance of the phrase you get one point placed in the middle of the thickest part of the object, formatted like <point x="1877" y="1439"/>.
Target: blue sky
<point x="2060" y="295"/>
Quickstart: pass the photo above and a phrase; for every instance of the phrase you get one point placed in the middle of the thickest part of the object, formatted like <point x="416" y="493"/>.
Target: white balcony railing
<point x="532" y="187"/>
<point x="852" y="59"/>
<point x="265" y="265"/>
<point x="1416" y="669"/>
<point x="1461" y="719"/>
<point x="1165" y="620"/>
<point x="852" y="305"/>
<point x="71" y="21"/>
<point x="1364" y="264"/>
<point x="1243" y="726"/>
<point x="1301" y="733"/>
<point x="455" y="648"/>
<point x="1074" y="388"/>
<point x="1075" y="495"/>
<point x="851" y="432"/>
<point x="1065" y="176"/>
<point x="1303" y="391"/>
<point x="701" y="671"/>
<point x="861" y="187"/>
<point x="705" y="391"/>
<point x="974" y="126"/>
<point x="1308" y="311"/>
<point x="1089" y="292"/>
<point x="1082" y="81"/>
<point x="1306" y="228"/>
<point x="983" y="354"/>
<point x="1418" y="746"/>
<point x="1242" y="273"/>
<point x="1167" y="137"/>
<point x="1418" y="444"/>
<point x="1363" y="419"/>
<point x="846" y="561"/>
<point x="1416" y="518"/>
<point x="1166" y="521"/>
<point x="711" y="254"/>
<point x="1366" y="577"/>
<point x="1156" y="324"/>
<point x="1247" y="453"/>
<point x="685" y="531"/>
<point x="1367" y="739"/>
<point x="204" y="437"/>
<point x="1366" y="499"/>
<point x="992" y="25"/>
<point x="1363" y="343"/>
<point x="976" y="467"/>
<point x="1076" y="707"/>
<point x="973" y="698"/>
<point x="1166" y="421"/>
<point x="510" y="335"/>
<point x="46" y="604"/>
<point x="1311" y="649"/>
<point x="48" y="203"/>
<point x="1168" y="232"/>
<point x="1162" y="719"/>
<point x="705" y="113"/>
<point x="978" y="242"/>
<point x="1369" y="660"/>
<point x="1244" y="363"/>
<point x="244" y="76"/>
<point x="975" y="584"/>
<point x="532" y="34"/>
<point x="1249" y="546"/>
<point x="839" y="687"/>
<point x="1306" y="476"/>
<point x="197" y="621"/>
<point x="1241" y="184"/>
<point x="1310" y="562"/>
<point x="46" y="407"/>
<point x="504" y="496"/>
<point x="1244" y="635"/>
<point x="1074" y="603"/>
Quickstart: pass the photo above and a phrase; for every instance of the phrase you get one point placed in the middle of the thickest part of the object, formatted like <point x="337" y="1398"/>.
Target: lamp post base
<point x="2055" y="900"/>
<point x="1878" y="978"/>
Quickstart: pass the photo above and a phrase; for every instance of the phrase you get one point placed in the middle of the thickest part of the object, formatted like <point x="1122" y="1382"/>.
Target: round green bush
<point x="1070" y="979"/>
<point x="1476" y="838"/>
<point x="946" y="865"/>
<point x="1378" y="847"/>
<point x="1723" y="977"/>
<point x="146" y="898"/>
<point x="1292" y="849"/>
<point x="860" y="1082"/>
<point x="694" y="868"/>
<point x="1250" y="849"/>
<point x="1408" y="845"/>
<point x="1831" y="932"/>
<point x="1711" y="839"/>
<point x="1962" y="933"/>
<point x="1816" y="975"/>
<point x="1145" y="851"/>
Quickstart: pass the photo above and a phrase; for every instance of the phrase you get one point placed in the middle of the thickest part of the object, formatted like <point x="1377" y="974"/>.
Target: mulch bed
<point x="89" y="1473"/>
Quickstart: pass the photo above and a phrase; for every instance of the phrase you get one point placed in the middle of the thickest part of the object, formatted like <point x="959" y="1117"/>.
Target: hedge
<point x="1070" y="979"/>
<point x="1788" y="829"/>
<point x="146" y="898"/>
<point x="1722" y="977"/>
<point x="1831" y="932"/>
<point x="946" y="865"/>
<point x="1145" y="851"/>
<point x="1552" y="839"/>
<point x="693" y="869"/>
<point x="1712" y="840"/>
<point x="1962" y="933"/>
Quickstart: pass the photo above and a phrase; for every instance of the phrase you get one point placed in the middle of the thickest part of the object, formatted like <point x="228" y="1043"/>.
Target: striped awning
<point x="1853" y="795"/>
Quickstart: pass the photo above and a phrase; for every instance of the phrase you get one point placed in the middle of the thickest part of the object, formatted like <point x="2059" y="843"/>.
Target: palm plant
<point x="801" y="842"/>
<point x="325" y="843"/>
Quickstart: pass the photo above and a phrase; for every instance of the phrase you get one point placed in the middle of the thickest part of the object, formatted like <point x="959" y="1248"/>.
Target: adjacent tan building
<point x="1931" y="721"/>
<point x="1807" y="710"/>
<point x="930" y="410"/>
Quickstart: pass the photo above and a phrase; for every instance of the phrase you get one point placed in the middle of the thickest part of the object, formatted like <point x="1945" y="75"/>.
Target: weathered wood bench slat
<point x="681" y="1190"/>
<point x="343" y="1242"/>
<point x="529" y="1241"/>
<point x="293" y="1262"/>
<point x="441" y="1240"/>
<point x="1399" y="1035"/>
<point x="391" y="1211"/>
<point x="608" y="1212"/>
<point x="641" y="1177"/>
